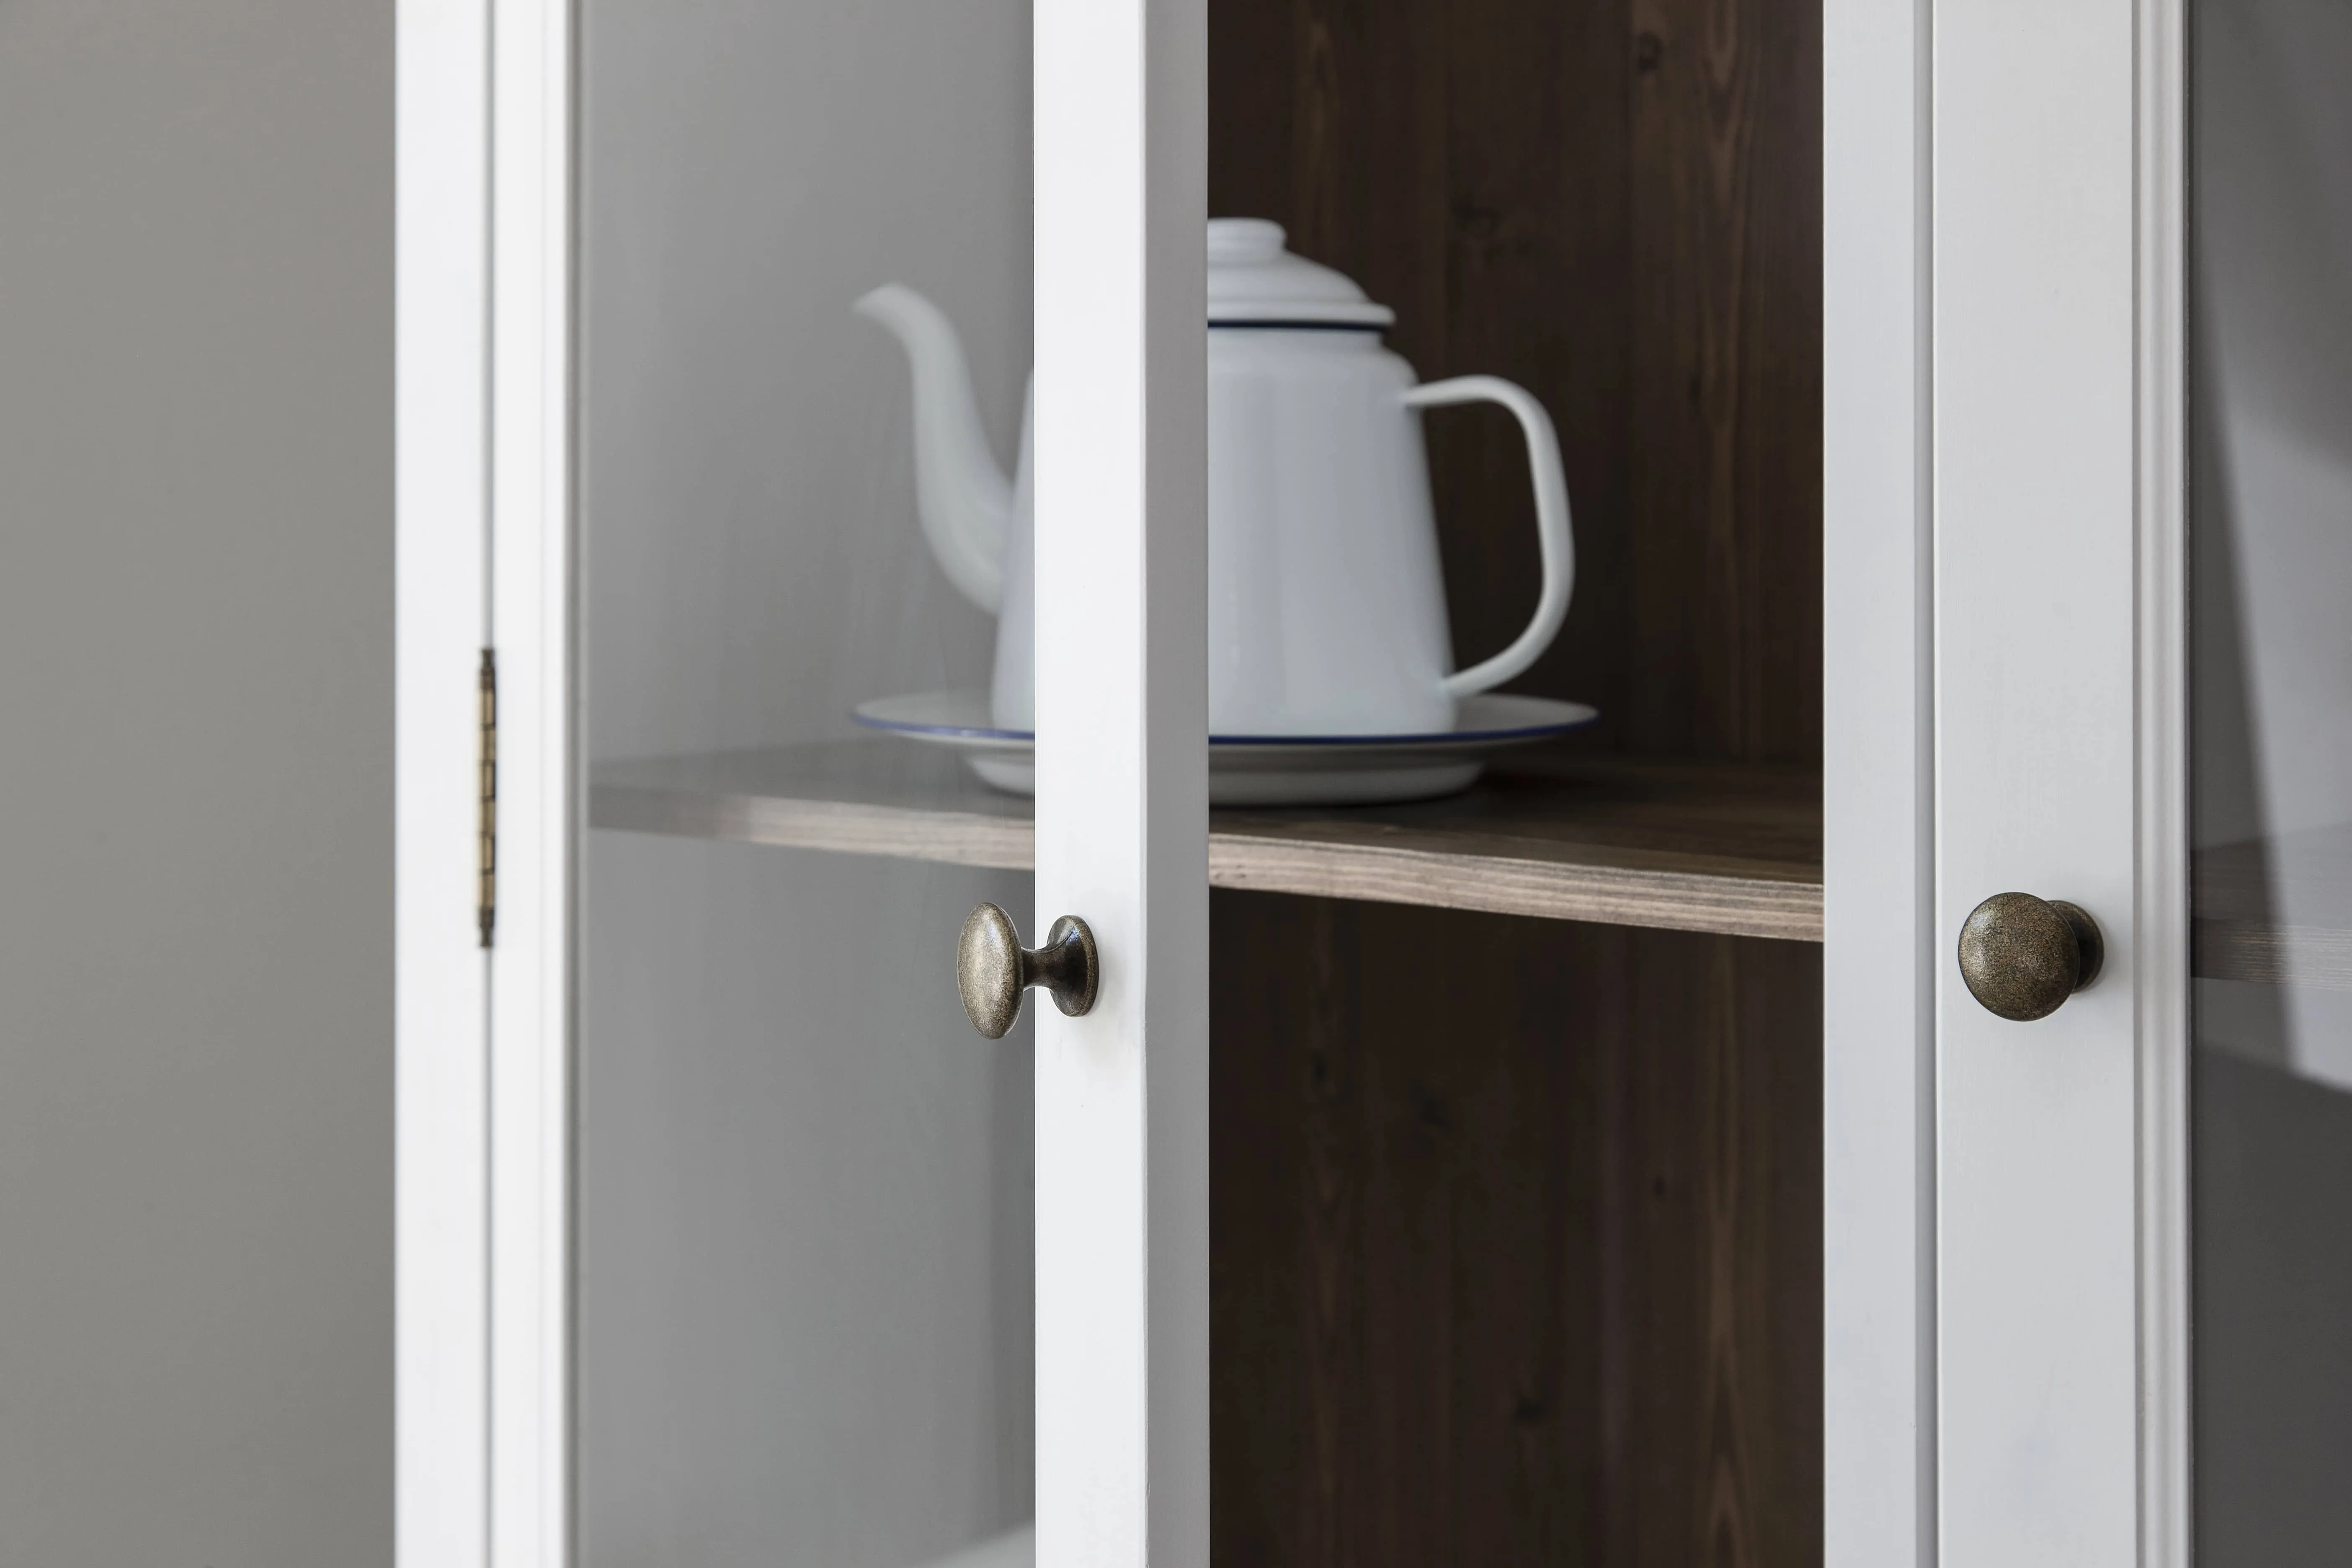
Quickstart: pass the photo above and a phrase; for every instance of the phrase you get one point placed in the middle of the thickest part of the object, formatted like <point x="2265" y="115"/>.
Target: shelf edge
<point x="1775" y="908"/>
<point x="1770" y="908"/>
<point x="2262" y="953"/>
<point x="846" y="828"/>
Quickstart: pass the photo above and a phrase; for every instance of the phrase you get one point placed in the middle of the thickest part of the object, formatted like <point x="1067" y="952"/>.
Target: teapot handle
<point x="1552" y="533"/>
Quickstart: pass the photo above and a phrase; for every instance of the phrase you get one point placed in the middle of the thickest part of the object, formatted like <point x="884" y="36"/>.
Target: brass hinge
<point x="486" y="910"/>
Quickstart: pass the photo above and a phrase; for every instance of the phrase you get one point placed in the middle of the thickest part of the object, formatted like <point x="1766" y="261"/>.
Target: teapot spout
<point x="965" y="499"/>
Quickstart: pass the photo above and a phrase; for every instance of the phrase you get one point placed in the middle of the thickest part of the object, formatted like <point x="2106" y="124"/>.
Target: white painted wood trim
<point x="441" y="1184"/>
<point x="1122" y="783"/>
<point x="2162" y="807"/>
<point x="533" y="627"/>
<point x="2137" y="1437"/>
<point x="2064" y="1270"/>
<point x="1879" y="962"/>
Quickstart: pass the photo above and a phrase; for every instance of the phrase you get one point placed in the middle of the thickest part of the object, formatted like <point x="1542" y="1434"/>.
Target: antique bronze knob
<point x="992" y="968"/>
<point x="2023" y="956"/>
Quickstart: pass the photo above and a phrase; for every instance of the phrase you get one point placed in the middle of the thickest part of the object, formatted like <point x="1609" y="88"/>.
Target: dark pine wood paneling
<point x="1516" y="1241"/>
<point x="1723" y="1264"/>
<point x="1725" y="158"/>
<point x="1516" y="1223"/>
<point x="1413" y="1318"/>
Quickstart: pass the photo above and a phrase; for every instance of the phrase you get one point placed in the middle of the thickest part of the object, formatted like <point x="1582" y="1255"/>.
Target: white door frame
<point x="483" y="1056"/>
<point x="541" y="786"/>
<point x="2005" y="1227"/>
<point x="487" y="558"/>
<point x="442" y="623"/>
<point x="1879" y="792"/>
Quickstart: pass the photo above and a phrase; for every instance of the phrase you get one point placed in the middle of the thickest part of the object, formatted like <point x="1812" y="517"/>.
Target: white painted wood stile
<point x="2005" y="1233"/>
<point x="1122" y="780"/>
<point x="441" y="977"/>
<point x="1879" y="956"/>
<point x="2060" y="771"/>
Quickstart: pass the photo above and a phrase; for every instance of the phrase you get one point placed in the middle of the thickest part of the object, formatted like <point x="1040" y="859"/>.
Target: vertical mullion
<point x="1122" y="817"/>
<point x="2037" y="523"/>
<point x="1880" y="957"/>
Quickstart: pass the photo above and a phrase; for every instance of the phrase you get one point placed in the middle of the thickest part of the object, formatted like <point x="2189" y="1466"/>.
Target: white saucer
<point x="1262" y="769"/>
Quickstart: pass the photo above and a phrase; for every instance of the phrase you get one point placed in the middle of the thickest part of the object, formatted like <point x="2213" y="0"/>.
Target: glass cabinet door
<point x="2270" y="405"/>
<point x="810" y="1164"/>
<point x="803" y="1211"/>
<point x="872" y="1261"/>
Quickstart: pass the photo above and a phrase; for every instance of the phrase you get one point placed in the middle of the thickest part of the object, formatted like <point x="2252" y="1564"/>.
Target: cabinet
<point x="2094" y="1275"/>
<point x="1506" y="1240"/>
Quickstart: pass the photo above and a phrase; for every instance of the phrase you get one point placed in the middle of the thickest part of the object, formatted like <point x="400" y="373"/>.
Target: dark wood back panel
<point x="1617" y="204"/>
<point x="1516" y="1223"/>
<point x="1516" y="1241"/>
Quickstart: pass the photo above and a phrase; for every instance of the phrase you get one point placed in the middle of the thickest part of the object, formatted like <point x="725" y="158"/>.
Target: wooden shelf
<point x="2275" y="912"/>
<point x="1686" y="847"/>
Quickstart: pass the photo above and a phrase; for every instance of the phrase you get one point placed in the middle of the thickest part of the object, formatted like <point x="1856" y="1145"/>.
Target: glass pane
<point x="805" y="1301"/>
<point x="2270" y="409"/>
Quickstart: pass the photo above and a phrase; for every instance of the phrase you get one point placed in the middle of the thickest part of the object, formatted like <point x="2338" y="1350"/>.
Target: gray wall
<point x="195" y="845"/>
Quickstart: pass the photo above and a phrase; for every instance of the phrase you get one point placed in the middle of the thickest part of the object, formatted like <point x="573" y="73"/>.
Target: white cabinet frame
<point x="442" y="623"/>
<point x="1878" y="792"/>
<point x="487" y="549"/>
<point x="1121" y="183"/>
<point x="541" y="804"/>
<point x="484" y="541"/>
<point x="485" y="261"/>
<point x="2005" y="1223"/>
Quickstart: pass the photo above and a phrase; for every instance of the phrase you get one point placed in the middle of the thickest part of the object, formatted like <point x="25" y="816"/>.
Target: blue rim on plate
<point x="962" y="731"/>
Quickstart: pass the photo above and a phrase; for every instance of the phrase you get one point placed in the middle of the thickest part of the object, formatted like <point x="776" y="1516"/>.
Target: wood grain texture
<point x="1543" y="888"/>
<point x="2274" y="910"/>
<point x="1725" y="1107"/>
<point x="1684" y="846"/>
<point x="1515" y="1241"/>
<point x="2266" y="953"/>
<point x="1676" y="846"/>
<point x="857" y="798"/>
<point x="1617" y="204"/>
<point x="1726" y="481"/>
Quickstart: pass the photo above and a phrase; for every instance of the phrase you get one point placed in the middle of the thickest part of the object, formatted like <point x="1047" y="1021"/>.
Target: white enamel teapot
<point x="1327" y="612"/>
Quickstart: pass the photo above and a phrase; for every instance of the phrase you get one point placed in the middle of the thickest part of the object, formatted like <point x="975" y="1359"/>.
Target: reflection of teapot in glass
<point x="1327" y="613"/>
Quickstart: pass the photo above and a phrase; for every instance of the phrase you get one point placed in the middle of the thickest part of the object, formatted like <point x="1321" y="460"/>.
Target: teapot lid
<point x="1254" y="281"/>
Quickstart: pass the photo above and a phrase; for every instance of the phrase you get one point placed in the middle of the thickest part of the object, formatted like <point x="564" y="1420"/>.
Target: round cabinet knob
<point x="2023" y="956"/>
<point x="992" y="968"/>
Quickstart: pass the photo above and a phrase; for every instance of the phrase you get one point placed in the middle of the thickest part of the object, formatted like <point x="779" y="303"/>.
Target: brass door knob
<point x="2023" y="956"/>
<point x="992" y="968"/>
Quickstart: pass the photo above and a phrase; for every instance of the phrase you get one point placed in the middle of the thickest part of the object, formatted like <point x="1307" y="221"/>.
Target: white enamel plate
<point x="1262" y="769"/>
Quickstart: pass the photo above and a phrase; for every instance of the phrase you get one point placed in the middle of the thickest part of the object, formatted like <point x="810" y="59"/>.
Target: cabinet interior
<point x="1516" y="1235"/>
<point x="1515" y="1097"/>
<point x="1517" y="1132"/>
